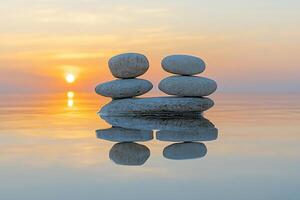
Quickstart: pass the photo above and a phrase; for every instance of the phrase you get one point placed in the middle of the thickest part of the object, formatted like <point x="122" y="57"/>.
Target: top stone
<point x="183" y="64"/>
<point x="128" y="65"/>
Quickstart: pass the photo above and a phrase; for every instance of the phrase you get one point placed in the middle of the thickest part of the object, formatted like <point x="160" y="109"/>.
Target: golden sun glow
<point x="70" y="78"/>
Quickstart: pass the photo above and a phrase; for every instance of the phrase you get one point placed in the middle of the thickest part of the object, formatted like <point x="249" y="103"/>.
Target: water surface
<point x="49" y="149"/>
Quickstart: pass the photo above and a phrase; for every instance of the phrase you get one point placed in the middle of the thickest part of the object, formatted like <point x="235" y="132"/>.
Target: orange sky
<point x="249" y="46"/>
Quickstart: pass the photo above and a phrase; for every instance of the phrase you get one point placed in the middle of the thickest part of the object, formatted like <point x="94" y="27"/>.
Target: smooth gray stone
<point x="189" y="86"/>
<point x="117" y="134"/>
<point x="195" y="125"/>
<point x="186" y="150"/>
<point x="128" y="65"/>
<point x="124" y="88"/>
<point x="129" y="153"/>
<point x="160" y="106"/>
<point x="202" y="134"/>
<point x="183" y="64"/>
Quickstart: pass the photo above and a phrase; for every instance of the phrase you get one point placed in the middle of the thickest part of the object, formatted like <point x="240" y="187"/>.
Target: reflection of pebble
<point x="182" y="124"/>
<point x="124" y="88"/>
<point x="202" y="134"/>
<point x="117" y="134"/>
<point x="186" y="150"/>
<point x="129" y="153"/>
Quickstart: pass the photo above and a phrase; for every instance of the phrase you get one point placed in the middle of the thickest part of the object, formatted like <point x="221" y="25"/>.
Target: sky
<point x="248" y="46"/>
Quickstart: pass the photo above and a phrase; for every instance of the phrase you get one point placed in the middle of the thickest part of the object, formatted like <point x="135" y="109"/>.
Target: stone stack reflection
<point x="185" y="135"/>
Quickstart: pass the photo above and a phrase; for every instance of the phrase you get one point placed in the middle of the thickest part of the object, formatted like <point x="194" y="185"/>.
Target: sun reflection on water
<point x="70" y="94"/>
<point x="70" y="101"/>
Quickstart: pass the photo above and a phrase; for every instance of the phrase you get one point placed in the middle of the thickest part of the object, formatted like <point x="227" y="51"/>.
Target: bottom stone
<point x="162" y="106"/>
<point x="185" y="150"/>
<point x="129" y="153"/>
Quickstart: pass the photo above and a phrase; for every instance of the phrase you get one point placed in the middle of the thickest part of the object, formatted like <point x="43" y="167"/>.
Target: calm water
<point x="49" y="149"/>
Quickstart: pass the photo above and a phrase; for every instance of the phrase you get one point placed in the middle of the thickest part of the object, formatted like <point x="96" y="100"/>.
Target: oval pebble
<point x="183" y="64"/>
<point x="125" y="88"/>
<point x="128" y="65"/>
<point x="190" y="86"/>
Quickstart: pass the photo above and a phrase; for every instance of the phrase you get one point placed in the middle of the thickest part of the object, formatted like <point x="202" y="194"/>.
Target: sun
<point x="70" y="78"/>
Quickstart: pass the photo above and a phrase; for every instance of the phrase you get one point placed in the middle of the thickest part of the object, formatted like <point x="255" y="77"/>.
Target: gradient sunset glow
<point x="248" y="46"/>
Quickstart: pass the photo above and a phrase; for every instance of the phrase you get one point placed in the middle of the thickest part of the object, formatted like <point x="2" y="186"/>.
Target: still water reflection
<point x="49" y="151"/>
<point x="186" y="132"/>
<point x="70" y="99"/>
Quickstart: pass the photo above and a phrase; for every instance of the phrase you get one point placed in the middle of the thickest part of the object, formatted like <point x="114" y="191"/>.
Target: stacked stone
<point x="185" y="83"/>
<point x="126" y="67"/>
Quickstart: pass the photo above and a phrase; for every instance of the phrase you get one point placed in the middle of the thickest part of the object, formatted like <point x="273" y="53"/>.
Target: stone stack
<point x="185" y="83"/>
<point x="126" y="67"/>
<point x="188" y="90"/>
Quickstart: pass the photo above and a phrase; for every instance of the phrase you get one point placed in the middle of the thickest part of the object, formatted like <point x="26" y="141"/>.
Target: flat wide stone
<point x="160" y="106"/>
